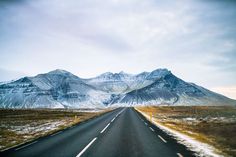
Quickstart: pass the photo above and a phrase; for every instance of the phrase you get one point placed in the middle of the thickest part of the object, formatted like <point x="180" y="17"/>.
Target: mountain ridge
<point x="62" y="89"/>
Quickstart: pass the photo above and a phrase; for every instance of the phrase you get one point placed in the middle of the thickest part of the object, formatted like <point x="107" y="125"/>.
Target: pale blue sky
<point x="195" y="39"/>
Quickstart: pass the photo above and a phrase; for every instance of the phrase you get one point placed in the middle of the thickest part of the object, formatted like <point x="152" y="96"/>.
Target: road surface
<point x="121" y="133"/>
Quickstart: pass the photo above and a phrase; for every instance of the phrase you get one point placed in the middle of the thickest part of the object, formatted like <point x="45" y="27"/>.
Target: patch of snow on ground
<point x="91" y="110"/>
<point x="201" y="149"/>
<point x="190" y="119"/>
<point x="27" y="129"/>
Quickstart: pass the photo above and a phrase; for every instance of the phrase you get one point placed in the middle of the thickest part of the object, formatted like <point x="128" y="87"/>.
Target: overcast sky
<point x="195" y="39"/>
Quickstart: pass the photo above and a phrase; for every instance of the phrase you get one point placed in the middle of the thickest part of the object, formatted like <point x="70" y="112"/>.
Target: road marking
<point x="151" y="129"/>
<point x="56" y="133"/>
<point x="179" y="155"/>
<point x="145" y="123"/>
<point x="26" y="145"/>
<point x="121" y="111"/>
<point x="85" y="148"/>
<point x="113" y="119"/>
<point x="162" y="139"/>
<point x="105" y="128"/>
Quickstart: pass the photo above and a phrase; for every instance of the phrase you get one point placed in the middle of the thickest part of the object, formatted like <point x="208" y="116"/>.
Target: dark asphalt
<point x="120" y="133"/>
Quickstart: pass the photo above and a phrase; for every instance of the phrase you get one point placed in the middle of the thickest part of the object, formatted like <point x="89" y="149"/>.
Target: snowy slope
<point x="56" y="89"/>
<point x="171" y="90"/>
<point x="111" y="82"/>
<point x="118" y="83"/>
<point x="61" y="89"/>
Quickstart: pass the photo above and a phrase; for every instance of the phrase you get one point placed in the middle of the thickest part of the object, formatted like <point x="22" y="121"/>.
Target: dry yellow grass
<point x="20" y="126"/>
<point x="215" y="125"/>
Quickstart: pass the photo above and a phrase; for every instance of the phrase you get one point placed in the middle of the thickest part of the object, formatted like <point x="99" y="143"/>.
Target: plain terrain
<point x="122" y="132"/>
<point x="215" y="125"/>
<point x="20" y="126"/>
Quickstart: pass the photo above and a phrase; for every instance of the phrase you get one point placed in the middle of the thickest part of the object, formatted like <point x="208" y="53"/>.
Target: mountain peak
<point x="57" y="74"/>
<point x="161" y="70"/>
<point x="122" y="73"/>
<point x="58" y="71"/>
<point x="106" y="74"/>
<point x="158" y="73"/>
<point x="62" y="88"/>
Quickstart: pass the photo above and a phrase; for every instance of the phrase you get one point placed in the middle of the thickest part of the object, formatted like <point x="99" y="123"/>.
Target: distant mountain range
<point x="61" y="89"/>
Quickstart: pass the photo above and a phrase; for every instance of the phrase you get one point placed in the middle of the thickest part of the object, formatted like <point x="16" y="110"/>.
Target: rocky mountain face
<point x="56" y="89"/>
<point x="61" y="89"/>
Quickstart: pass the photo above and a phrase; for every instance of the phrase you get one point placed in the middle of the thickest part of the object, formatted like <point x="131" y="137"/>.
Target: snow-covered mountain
<point x="111" y="83"/>
<point x="168" y="89"/>
<point x="118" y="83"/>
<point x="61" y="89"/>
<point x="56" y="89"/>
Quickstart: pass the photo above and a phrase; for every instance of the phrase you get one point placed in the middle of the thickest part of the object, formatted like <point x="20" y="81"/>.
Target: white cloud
<point x="194" y="39"/>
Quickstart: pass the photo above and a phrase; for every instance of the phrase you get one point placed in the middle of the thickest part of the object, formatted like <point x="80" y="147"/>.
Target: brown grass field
<point x="20" y="126"/>
<point x="215" y="125"/>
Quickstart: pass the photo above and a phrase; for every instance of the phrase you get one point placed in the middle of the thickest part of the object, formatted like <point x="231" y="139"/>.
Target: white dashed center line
<point x="162" y="139"/>
<point x="85" y="148"/>
<point x="105" y="128"/>
<point x="26" y="145"/>
<point x="180" y="155"/>
<point x="90" y="143"/>
<point x="151" y="129"/>
<point x="113" y="119"/>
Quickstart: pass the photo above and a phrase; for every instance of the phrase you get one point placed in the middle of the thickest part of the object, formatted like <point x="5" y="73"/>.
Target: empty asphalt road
<point x="120" y="133"/>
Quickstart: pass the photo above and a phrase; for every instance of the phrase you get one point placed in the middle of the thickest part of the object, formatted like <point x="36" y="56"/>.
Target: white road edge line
<point x="179" y="155"/>
<point x="151" y="129"/>
<point x="113" y="119"/>
<point x="26" y="145"/>
<point x="56" y="133"/>
<point x="145" y="123"/>
<point x="162" y="139"/>
<point x="105" y="128"/>
<point x="85" y="148"/>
